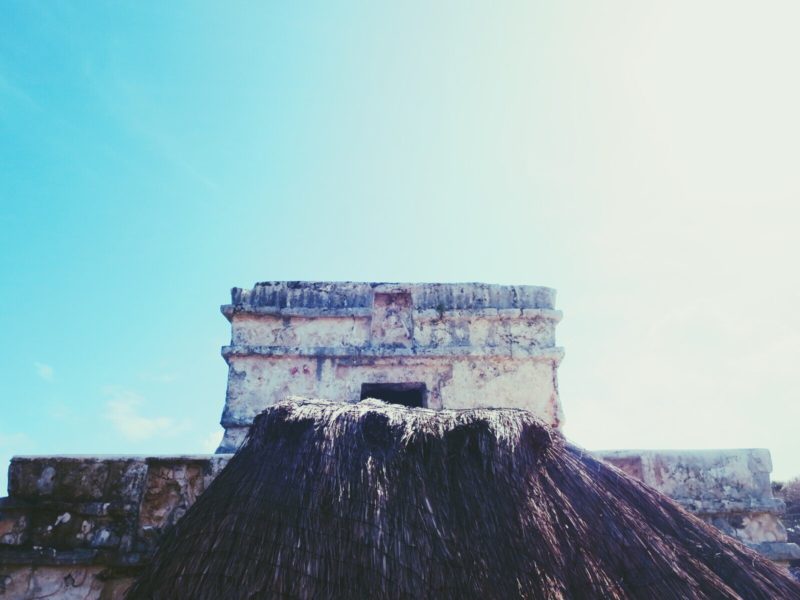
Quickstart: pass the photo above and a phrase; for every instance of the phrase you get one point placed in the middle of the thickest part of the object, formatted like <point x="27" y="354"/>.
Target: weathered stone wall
<point x="729" y="489"/>
<point x="82" y="527"/>
<point x="469" y="344"/>
<point x="789" y="492"/>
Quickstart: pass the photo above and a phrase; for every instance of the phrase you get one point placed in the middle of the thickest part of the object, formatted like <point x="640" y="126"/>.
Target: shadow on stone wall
<point x="789" y="492"/>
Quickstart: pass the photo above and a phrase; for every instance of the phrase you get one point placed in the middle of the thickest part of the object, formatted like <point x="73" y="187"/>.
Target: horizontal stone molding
<point x="39" y="556"/>
<point x="555" y="354"/>
<point x="778" y="551"/>
<point x="231" y="310"/>
<point x="319" y="295"/>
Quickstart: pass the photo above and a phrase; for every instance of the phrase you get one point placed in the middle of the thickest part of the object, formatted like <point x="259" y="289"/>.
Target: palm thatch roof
<point x="370" y="500"/>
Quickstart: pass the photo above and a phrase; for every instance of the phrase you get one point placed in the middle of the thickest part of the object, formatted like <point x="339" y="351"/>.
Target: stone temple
<point x="432" y="345"/>
<point x="84" y="526"/>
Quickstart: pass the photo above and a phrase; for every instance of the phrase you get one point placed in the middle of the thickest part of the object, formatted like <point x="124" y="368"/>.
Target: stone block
<point x="76" y="478"/>
<point x="14" y="522"/>
<point x="58" y="582"/>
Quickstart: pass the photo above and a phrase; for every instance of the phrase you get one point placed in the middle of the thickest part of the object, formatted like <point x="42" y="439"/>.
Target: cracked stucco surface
<point x="470" y="344"/>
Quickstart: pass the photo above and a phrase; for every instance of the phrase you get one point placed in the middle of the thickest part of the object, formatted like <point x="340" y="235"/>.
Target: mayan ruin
<point x="85" y="527"/>
<point x="399" y="301"/>
<point x="433" y="345"/>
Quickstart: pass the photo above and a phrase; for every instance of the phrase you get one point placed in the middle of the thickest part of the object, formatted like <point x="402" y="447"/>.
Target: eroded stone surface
<point x="470" y="345"/>
<point x="109" y="504"/>
<point x="63" y="583"/>
<point x="729" y="489"/>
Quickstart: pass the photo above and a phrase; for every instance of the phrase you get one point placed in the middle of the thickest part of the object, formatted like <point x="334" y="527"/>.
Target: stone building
<point x="432" y="345"/>
<point x="82" y="527"/>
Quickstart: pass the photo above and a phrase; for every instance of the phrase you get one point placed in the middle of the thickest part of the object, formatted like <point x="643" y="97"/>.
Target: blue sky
<point x="640" y="158"/>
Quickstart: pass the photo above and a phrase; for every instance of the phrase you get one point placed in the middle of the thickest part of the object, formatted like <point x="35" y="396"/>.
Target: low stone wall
<point x="729" y="489"/>
<point x="82" y="527"/>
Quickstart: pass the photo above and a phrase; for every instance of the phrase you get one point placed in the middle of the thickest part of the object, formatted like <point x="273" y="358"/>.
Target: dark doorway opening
<point x="407" y="394"/>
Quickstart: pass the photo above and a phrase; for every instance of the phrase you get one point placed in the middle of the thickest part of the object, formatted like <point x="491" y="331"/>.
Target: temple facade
<point x="428" y="345"/>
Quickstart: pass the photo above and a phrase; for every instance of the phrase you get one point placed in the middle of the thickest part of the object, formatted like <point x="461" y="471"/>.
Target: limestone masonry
<point x="82" y="527"/>
<point x="434" y="345"/>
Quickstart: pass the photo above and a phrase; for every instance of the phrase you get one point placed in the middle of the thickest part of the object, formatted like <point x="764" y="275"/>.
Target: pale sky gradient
<point x="641" y="157"/>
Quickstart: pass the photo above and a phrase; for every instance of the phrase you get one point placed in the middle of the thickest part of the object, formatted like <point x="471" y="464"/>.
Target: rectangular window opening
<point x="408" y="394"/>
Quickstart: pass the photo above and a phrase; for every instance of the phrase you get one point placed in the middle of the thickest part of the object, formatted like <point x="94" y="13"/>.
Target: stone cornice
<point x="509" y="351"/>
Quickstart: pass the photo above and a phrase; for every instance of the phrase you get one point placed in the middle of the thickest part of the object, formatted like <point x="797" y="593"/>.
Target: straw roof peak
<point x="375" y="500"/>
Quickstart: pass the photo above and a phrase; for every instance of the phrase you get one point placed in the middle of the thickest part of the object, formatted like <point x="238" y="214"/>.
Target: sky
<point x="640" y="157"/>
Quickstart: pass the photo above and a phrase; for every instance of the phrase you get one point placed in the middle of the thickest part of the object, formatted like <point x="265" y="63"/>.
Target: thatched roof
<point x="370" y="500"/>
